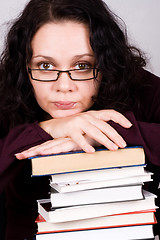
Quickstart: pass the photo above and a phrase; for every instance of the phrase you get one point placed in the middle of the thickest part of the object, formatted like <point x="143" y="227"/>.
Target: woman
<point x="69" y="81"/>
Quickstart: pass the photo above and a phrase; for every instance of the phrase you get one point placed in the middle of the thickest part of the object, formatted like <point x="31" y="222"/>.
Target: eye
<point x="46" y="66"/>
<point x="82" y="66"/>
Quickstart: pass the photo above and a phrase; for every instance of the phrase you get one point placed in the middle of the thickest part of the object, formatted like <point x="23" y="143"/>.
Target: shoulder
<point x="150" y="90"/>
<point x="150" y="80"/>
<point x="149" y="96"/>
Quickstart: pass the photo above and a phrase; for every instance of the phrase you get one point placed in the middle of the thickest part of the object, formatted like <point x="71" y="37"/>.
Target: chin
<point x="65" y="113"/>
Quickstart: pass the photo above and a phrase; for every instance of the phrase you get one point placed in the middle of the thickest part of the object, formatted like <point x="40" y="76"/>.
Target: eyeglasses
<point x="47" y="75"/>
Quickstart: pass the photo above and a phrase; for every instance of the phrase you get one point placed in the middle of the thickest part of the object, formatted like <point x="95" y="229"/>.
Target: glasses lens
<point x="44" y="75"/>
<point x="85" y="74"/>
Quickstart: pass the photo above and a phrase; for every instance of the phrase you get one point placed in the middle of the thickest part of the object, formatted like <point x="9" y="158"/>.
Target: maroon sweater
<point x="22" y="190"/>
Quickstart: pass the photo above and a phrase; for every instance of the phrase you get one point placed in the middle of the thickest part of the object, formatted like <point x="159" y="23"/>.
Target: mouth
<point x="65" y="105"/>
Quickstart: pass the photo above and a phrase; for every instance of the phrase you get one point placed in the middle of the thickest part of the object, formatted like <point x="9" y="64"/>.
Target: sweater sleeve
<point x="142" y="133"/>
<point x="18" y="139"/>
<point x="145" y="119"/>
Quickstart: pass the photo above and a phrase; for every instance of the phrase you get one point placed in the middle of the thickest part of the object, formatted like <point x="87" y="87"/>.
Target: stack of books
<point x="95" y="195"/>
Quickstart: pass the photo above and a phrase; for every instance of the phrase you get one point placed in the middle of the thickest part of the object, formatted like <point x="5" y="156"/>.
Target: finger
<point x="107" y="115"/>
<point x="95" y="133"/>
<point x="62" y="147"/>
<point x="105" y="130"/>
<point x="113" y="135"/>
<point x="81" y="141"/>
<point x="110" y="133"/>
<point x="39" y="149"/>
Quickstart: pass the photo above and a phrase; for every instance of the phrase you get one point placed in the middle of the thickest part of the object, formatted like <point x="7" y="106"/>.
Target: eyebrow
<point x="75" y="57"/>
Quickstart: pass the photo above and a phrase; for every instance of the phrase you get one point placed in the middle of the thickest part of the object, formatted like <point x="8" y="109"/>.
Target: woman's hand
<point x="55" y="146"/>
<point x="82" y="131"/>
<point x="93" y="124"/>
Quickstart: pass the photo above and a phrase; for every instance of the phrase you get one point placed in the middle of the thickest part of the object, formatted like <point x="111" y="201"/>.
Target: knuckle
<point x="112" y="112"/>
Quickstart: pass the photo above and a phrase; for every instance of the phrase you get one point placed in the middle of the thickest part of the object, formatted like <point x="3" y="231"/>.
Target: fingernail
<point x="114" y="147"/>
<point x="123" y="144"/>
<point x="16" y="154"/>
<point x="129" y="124"/>
<point x="91" y="149"/>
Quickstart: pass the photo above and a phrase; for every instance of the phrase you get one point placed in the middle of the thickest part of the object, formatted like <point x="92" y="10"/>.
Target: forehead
<point x="62" y="39"/>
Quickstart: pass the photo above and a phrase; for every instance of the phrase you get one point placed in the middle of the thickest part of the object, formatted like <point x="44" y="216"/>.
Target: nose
<point x="64" y="83"/>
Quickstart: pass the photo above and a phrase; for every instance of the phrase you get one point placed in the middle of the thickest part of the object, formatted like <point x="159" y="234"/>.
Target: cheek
<point x="93" y="88"/>
<point x="90" y="91"/>
<point x="40" y="93"/>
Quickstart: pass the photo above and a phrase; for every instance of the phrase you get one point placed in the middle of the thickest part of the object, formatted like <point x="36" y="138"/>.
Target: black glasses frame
<point x="95" y="74"/>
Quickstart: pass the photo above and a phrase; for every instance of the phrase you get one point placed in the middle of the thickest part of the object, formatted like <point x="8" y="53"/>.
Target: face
<point x="63" y="46"/>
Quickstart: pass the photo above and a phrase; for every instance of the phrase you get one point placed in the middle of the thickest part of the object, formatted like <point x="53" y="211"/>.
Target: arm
<point x="81" y="131"/>
<point x="18" y="139"/>
<point x="146" y="119"/>
<point x="142" y="133"/>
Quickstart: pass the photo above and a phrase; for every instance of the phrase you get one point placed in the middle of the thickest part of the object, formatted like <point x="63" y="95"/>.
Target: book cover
<point x="99" y="174"/>
<point x="119" y="220"/>
<point x="90" y="183"/>
<point x="98" y="195"/>
<point x="120" y="233"/>
<point x="62" y="214"/>
<point x="79" y="161"/>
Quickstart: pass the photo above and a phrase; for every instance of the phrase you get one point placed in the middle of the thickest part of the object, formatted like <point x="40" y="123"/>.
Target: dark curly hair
<point x="117" y="61"/>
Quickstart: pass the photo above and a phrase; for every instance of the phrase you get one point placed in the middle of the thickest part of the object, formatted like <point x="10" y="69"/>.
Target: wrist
<point x="46" y="125"/>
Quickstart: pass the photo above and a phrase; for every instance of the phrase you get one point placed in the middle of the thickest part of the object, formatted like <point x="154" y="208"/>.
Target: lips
<point x="64" y="105"/>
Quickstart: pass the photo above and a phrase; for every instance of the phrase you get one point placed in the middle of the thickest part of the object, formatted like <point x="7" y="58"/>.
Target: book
<point x="98" y="174"/>
<point x="96" y="210"/>
<point x="80" y="161"/>
<point x="120" y="233"/>
<point x="98" y="195"/>
<point x="120" y="220"/>
<point x="89" y="184"/>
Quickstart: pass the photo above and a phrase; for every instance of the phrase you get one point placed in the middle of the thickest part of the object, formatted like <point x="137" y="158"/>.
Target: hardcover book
<point x="73" y="186"/>
<point x="98" y="195"/>
<point x="99" y="174"/>
<point x="120" y="233"/>
<point x="62" y="214"/>
<point x="120" y="220"/>
<point x="80" y="161"/>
